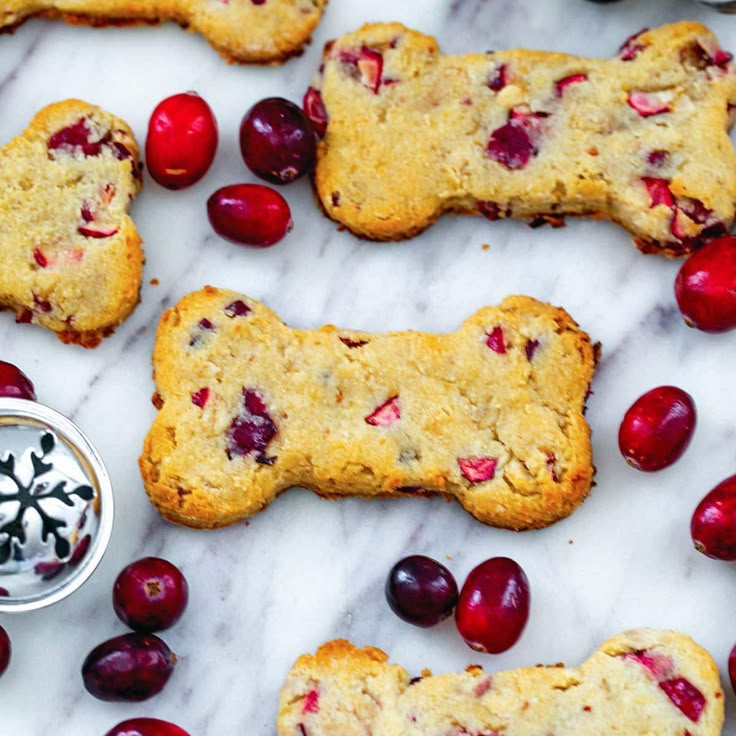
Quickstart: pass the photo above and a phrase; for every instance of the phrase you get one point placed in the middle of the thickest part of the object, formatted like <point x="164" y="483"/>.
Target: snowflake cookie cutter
<point x="56" y="506"/>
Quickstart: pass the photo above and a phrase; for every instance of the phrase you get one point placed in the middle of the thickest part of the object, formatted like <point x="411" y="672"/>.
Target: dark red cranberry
<point x="493" y="607"/>
<point x="4" y="593"/>
<point x="511" y="145"/>
<point x="249" y="214"/>
<point x="146" y="727"/>
<point x="15" y="383"/>
<point x="732" y="668"/>
<point x="705" y="287"/>
<point x="421" y="591"/>
<point x="657" y="428"/>
<point x="181" y="141"/>
<point x="131" y="667"/>
<point x="277" y="140"/>
<point x="252" y="430"/>
<point x="5" y="650"/>
<point x="713" y="525"/>
<point x="150" y="594"/>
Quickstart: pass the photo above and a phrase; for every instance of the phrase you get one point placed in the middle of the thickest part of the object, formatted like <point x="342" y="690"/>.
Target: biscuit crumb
<point x="485" y="246"/>
<point x="154" y="282"/>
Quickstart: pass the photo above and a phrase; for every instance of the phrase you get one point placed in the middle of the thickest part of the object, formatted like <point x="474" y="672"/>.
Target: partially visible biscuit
<point x="259" y="31"/>
<point x="638" y="683"/>
<point x="641" y="139"/>
<point x="71" y="258"/>
<point x="491" y="415"/>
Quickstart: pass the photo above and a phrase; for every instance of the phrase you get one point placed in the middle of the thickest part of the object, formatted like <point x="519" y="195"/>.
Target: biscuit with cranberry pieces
<point x="71" y="258"/>
<point x="641" y="139"/>
<point x="257" y="31"/>
<point x="641" y="682"/>
<point x="491" y="415"/>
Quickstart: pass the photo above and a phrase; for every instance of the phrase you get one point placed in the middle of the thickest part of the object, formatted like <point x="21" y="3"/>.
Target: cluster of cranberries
<point x="278" y="144"/>
<point x="149" y="595"/>
<point x="491" y="610"/>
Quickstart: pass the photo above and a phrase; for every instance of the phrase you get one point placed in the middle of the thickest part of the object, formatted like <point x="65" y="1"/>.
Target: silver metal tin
<point x="56" y="506"/>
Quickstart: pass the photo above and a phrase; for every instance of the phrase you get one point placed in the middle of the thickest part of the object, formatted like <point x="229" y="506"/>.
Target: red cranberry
<point x="705" y="287"/>
<point x="277" y="140"/>
<point x="713" y="526"/>
<point x="150" y="594"/>
<point x="249" y="214"/>
<point x="657" y="428"/>
<point x="5" y="650"/>
<point x="15" y="383"/>
<point x="314" y="109"/>
<point x="493" y="606"/>
<point x="732" y="668"/>
<point x="421" y="591"/>
<point x="685" y="696"/>
<point x="146" y="727"/>
<point x="252" y="429"/>
<point x="182" y="140"/>
<point x="131" y="667"/>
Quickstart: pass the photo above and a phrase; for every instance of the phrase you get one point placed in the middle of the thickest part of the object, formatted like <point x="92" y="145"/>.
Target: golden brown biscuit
<point x="260" y="31"/>
<point x="638" y="683"/>
<point x="71" y="258"/>
<point x="491" y="415"/>
<point x="641" y="139"/>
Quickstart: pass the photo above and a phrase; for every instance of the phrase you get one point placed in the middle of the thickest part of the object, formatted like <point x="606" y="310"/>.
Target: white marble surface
<point x="307" y="570"/>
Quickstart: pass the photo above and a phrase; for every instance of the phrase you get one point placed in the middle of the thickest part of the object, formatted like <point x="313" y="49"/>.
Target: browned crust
<point x="101" y="21"/>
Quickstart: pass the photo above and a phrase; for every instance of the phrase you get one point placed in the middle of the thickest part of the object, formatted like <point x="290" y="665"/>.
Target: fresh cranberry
<point x="277" y="141"/>
<point x="4" y="593"/>
<point x="705" y="287"/>
<point x="146" y="727"/>
<point x="493" y="607"/>
<point x="5" y="650"/>
<point x="150" y="594"/>
<point x="713" y="525"/>
<point x="732" y="668"/>
<point x="314" y="109"/>
<point x="182" y="140"/>
<point x="421" y="591"/>
<point x="657" y="428"/>
<point x="131" y="667"/>
<point x="249" y="214"/>
<point x="15" y="383"/>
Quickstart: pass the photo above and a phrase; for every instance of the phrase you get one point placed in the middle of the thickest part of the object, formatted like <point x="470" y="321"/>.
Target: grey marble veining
<point x="307" y="570"/>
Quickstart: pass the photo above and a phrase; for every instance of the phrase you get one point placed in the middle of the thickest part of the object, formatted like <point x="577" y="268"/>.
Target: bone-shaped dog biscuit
<point x="71" y="258"/>
<point x="641" y="139"/>
<point x="641" y="682"/>
<point x="241" y="30"/>
<point x="491" y="415"/>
